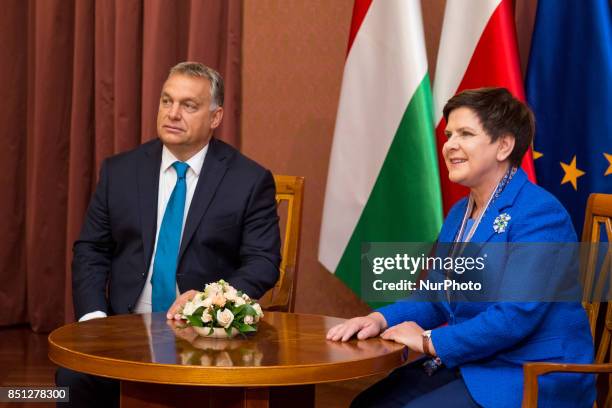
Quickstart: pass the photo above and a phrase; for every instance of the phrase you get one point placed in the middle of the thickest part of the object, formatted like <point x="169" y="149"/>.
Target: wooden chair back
<point x="289" y="200"/>
<point x="596" y="268"/>
<point x="596" y="274"/>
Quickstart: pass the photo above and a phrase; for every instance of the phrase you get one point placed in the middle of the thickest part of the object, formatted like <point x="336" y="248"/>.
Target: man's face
<point x="185" y="122"/>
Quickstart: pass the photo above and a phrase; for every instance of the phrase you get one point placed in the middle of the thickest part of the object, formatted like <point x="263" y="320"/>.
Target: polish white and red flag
<point x="478" y="48"/>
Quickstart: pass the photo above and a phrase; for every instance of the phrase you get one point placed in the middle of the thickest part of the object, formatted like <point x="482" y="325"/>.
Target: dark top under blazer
<point x="231" y="231"/>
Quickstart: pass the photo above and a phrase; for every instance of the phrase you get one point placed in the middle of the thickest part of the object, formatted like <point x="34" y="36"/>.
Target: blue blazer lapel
<point x="447" y="235"/>
<point x="485" y="230"/>
<point x="214" y="168"/>
<point x="148" y="186"/>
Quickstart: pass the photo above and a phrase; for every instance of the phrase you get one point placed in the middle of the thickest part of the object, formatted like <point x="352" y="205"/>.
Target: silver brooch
<point x="501" y="223"/>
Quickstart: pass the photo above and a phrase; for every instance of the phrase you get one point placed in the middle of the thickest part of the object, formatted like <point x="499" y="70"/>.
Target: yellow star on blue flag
<point x="571" y="173"/>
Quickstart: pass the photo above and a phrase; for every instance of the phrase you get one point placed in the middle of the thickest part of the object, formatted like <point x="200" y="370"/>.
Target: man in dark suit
<point x="170" y="216"/>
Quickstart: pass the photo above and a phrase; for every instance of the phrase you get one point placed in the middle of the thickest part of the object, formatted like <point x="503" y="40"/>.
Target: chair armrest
<point x="533" y="370"/>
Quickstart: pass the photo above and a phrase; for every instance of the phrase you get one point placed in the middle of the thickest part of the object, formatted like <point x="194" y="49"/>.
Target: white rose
<point x="198" y="301"/>
<point x="212" y="289"/>
<point x="231" y="294"/>
<point x="248" y="319"/>
<point x="225" y="318"/>
<point x="218" y="300"/>
<point x="206" y="317"/>
<point x="207" y="302"/>
<point x="257" y="308"/>
<point x="189" y="308"/>
<point x="246" y="297"/>
<point x="239" y="301"/>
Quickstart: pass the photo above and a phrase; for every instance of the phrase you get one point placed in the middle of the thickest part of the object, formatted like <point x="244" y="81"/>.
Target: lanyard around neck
<point x="470" y="207"/>
<point x="458" y="243"/>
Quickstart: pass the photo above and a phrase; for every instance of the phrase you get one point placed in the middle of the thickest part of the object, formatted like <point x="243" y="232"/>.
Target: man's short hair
<point x="196" y="69"/>
<point x="499" y="113"/>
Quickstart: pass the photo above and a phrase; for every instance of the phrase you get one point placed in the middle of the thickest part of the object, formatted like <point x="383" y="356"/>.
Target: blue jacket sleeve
<point x="501" y="326"/>
<point x="425" y="314"/>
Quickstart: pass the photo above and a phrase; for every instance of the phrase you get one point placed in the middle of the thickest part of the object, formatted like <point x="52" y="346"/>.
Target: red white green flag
<point x="383" y="183"/>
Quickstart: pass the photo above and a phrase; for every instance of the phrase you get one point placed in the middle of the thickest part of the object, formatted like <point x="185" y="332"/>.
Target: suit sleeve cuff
<point x="92" y="315"/>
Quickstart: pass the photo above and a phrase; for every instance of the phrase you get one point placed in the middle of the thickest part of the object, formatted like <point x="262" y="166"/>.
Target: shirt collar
<point x="195" y="162"/>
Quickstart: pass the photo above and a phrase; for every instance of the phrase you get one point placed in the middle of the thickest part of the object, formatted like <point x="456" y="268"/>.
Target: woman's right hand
<point x="364" y="326"/>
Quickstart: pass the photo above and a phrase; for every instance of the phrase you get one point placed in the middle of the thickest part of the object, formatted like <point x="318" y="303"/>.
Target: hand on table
<point x="364" y="326"/>
<point x="177" y="306"/>
<point x="408" y="333"/>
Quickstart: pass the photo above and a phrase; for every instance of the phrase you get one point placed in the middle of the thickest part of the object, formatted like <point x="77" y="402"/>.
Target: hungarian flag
<point x="478" y="48"/>
<point x="383" y="182"/>
<point x="569" y="86"/>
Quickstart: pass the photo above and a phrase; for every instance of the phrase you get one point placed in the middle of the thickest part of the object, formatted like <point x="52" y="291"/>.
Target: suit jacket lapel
<point x="148" y="186"/>
<point x="213" y="170"/>
<point x="447" y="235"/>
<point x="485" y="230"/>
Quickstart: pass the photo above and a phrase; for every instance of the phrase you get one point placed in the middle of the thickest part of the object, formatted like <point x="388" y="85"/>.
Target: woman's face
<point x="471" y="158"/>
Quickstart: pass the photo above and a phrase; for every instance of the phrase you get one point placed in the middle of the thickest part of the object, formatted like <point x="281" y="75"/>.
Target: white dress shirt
<point x="167" y="181"/>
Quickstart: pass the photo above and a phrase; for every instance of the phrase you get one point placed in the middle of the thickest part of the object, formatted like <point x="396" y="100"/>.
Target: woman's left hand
<point x="408" y="333"/>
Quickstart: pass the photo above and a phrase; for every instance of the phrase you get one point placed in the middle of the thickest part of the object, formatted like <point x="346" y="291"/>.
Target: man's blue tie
<point x="168" y="241"/>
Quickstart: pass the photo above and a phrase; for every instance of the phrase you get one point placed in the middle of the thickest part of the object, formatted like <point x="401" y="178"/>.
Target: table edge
<point x="226" y="376"/>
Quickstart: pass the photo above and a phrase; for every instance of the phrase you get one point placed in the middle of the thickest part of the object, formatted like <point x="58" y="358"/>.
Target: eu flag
<point x="569" y="88"/>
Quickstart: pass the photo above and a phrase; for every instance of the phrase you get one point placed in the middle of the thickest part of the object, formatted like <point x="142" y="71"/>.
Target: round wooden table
<point x="161" y="362"/>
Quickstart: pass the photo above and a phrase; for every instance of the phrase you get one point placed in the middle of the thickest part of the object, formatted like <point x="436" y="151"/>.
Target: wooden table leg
<point x="137" y="394"/>
<point x="295" y="396"/>
<point x="258" y="397"/>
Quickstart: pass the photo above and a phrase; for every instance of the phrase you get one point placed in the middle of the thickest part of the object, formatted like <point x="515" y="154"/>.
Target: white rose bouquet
<point x="221" y="306"/>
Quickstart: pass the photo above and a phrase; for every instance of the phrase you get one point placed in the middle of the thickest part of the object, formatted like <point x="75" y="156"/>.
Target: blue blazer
<point x="231" y="231"/>
<point x="490" y="342"/>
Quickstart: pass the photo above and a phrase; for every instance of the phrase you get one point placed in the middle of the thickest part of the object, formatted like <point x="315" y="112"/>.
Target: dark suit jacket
<point x="231" y="231"/>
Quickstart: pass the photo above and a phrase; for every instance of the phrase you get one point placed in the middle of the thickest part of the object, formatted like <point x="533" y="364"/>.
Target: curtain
<point x="80" y="81"/>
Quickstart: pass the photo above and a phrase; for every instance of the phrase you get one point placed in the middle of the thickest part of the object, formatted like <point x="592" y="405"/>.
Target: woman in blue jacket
<point x="477" y="350"/>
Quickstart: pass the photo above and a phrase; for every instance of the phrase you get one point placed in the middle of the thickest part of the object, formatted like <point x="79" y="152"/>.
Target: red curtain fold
<point x="80" y="81"/>
<point x="13" y="117"/>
